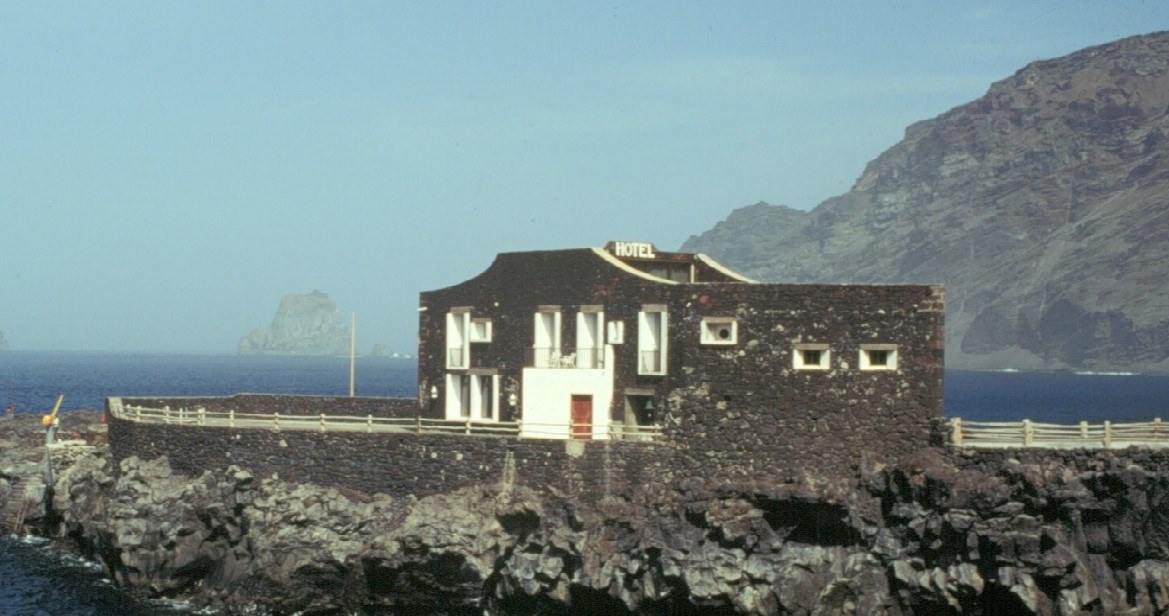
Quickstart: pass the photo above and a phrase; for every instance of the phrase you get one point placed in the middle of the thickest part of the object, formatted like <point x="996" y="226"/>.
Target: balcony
<point x="554" y="358"/>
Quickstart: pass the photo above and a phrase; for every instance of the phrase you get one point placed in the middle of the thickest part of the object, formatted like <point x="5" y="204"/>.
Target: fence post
<point x="467" y="429"/>
<point x="956" y="430"/>
<point x="1028" y="433"/>
<point x="166" y="414"/>
<point x="369" y="423"/>
<point x="322" y="422"/>
<point x="1107" y="434"/>
<point x="231" y="418"/>
<point x="276" y="421"/>
<point x="137" y="413"/>
<point x="202" y="416"/>
<point x="1084" y="430"/>
<point x="519" y="427"/>
<point x="418" y="424"/>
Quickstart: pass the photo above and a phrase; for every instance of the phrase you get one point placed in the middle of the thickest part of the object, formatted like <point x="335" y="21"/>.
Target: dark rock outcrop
<point x="305" y="324"/>
<point x="946" y="533"/>
<point x="1041" y="206"/>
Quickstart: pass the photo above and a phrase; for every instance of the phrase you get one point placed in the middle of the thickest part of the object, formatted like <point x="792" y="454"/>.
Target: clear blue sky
<point x="168" y="171"/>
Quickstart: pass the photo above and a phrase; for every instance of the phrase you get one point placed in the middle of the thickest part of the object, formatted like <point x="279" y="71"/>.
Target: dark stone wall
<point x="745" y="410"/>
<point x="400" y="463"/>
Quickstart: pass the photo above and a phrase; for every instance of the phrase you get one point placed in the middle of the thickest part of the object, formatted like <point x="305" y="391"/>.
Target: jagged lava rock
<point x="947" y="532"/>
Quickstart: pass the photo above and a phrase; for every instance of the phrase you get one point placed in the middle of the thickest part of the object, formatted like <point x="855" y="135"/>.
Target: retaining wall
<point x="396" y="463"/>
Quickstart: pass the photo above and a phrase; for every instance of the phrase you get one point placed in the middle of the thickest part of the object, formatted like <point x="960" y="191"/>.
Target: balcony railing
<point x="553" y="358"/>
<point x="457" y="357"/>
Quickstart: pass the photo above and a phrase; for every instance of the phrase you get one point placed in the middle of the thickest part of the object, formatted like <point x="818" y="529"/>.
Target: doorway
<point x="582" y="417"/>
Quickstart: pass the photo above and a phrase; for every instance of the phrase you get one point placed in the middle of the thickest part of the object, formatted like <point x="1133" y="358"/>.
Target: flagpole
<point x="352" y="353"/>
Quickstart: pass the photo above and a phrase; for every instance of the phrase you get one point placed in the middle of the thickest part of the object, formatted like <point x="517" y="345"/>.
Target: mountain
<point x="1042" y="206"/>
<point x="305" y="324"/>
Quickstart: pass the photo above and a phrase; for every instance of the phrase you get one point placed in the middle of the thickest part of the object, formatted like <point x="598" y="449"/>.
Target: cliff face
<point x="1042" y="207"/>
<point x="305" y="324"/>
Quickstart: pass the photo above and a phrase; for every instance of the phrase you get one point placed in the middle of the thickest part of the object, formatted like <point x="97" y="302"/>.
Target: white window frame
<point x="590" y="338"/>
<point x="648" y="342"/>
<point x="552" y="345"/>
<point x="464" y="397"/>
<point x="458" y="326"/>
<point x="865" y="359"/>
<point x="615" y="332"/>
<point x="480" y="330"/>
<point x="458" y="396"/>
<point x="798" y="356"/>
<point x="712" y="328"/>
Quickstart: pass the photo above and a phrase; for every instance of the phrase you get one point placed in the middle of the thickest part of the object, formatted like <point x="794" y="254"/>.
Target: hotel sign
<point x="632" y="250"/>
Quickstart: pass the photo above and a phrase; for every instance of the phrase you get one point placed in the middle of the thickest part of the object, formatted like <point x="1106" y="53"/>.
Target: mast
<point x="352" y="353"/>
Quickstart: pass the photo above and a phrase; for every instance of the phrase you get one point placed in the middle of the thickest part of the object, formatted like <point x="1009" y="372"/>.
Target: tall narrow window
<point x="546" y="345"/>
<point x="590" y="347"/>
<point x="458" y="341"/>
<point x="458" y="396"/>
<point x="652" y="342"/>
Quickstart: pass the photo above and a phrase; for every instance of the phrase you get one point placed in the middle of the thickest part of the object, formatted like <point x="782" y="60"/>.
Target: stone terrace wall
<point x="401" y="463"/>
<point x="387" y="408"/>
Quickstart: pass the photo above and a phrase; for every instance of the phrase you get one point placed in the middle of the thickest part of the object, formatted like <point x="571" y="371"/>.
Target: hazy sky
<point x="168" y="171"/>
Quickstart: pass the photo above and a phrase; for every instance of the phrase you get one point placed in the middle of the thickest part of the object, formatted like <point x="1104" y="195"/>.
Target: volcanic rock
<point x="305" y="324"/>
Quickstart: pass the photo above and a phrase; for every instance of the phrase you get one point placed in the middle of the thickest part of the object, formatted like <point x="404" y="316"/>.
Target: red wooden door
<point x="582" y="417"/>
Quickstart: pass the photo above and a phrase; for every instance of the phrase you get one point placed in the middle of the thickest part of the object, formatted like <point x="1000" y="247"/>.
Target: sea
<point x="37" y="580"/>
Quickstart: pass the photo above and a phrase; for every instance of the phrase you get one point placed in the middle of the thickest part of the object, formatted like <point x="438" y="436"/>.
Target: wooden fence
<point x="200" y="416"/>
<point x="1027" y="433"/>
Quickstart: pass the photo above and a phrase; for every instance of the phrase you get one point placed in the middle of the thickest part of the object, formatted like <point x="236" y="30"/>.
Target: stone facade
<point x="742" y="406"/>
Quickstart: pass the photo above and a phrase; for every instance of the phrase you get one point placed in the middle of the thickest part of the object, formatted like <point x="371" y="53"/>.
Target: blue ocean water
<point x="31" y="381"/>
<point x="36" y="581"/>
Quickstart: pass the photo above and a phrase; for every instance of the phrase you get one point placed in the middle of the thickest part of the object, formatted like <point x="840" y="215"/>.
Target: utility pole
<point x="352" y="355"/>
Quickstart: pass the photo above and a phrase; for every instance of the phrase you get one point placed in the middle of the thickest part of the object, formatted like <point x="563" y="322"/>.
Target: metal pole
<point x="352" y="354"/>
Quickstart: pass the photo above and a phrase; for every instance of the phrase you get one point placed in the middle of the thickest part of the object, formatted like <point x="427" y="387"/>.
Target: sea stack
<point x="305" y="324"/>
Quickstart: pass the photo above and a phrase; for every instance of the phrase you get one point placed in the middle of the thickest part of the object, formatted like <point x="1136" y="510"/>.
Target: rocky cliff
<point x="947" y="533"/>
<point x="305" y="324"/>
<point x="1042" y="206"/>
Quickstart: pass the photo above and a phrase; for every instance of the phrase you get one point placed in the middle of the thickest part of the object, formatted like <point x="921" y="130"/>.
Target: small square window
<point x="480" y="330"/>
<point x="878" y="357"/>
<point x="811" y="357"/>
<point x="615" y="332"/>
<point x="719" y="330"/>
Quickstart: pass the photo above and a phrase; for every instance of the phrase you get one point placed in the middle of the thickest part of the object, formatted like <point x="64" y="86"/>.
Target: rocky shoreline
<point x="947" y="532"/>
